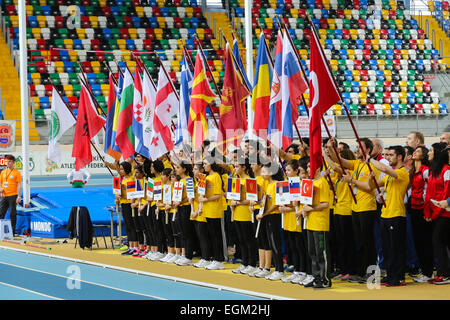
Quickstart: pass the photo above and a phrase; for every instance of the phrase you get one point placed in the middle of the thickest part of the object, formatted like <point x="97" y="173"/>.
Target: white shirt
<point x="78" y="175"/>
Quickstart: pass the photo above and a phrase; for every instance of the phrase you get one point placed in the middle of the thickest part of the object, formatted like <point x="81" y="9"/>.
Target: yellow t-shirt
<point x="123" y="195"/>
<point x="334" y="176"/>
<point x="184" y="194"/>
<point x="395" y="194"/>
<point x="365" y="200"/>
<point x="199" y="218"/>
<point x="290" y="221"/>
<point x="9" y="181"/>
<point x="167" y="164"/>
<point x="296" y="157"/>
<point x="344" y="201"/>
<point x="213" y="209"/>
<point x="271" y="194"/>
<point x="319" y="220"/>
<point x="242" y="212"/>
<point x="261" y="185"/>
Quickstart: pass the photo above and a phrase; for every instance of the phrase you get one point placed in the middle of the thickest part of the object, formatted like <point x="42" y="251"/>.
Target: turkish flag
<point x="323" y="94"/>
<point x="89" y="123"/>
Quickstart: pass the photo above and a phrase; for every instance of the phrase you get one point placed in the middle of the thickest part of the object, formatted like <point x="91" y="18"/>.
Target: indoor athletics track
<point x="29" y="276"/>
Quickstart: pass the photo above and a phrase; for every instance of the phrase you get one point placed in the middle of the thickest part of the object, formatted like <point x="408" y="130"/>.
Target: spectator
<point x="78" y="178"/>
<point x="415" y="139"/>
<point x="445" y="138"/>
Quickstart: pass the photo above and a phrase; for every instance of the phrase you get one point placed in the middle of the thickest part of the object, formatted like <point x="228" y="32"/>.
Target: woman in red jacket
<point x="422" y="229"/>
<point x="439" y="189"/>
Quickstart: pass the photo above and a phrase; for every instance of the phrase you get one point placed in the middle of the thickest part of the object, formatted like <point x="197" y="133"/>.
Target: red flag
<point x="323" y="93"/>
<point x="233" y="122"/>
<point x="89" y="123"/>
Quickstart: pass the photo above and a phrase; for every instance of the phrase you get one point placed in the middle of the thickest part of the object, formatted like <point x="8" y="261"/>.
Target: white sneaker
<point x="289" y="278"/>
<point x="173" y="259"/>
<point x="421" y="279"/>
<point x="254" y="272"/>
<point x="308" y="279"/>
<point x="201" y="263"/>
<point x="183" y="261"/>
<point x="276" y="275"/>
<point x="299" y="278"/>
<point x="248" y="270"/>
<point x="239" y="269"/>
<point x="215" y="265"/>
<point x="167" y="257"/>
<point x="156" y="256"/>
<point x="262" y="273"/>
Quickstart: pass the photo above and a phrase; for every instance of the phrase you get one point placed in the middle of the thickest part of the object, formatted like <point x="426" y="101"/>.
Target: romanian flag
<point x="111" y="110"/>
<point x="202" y="95"/>
<point x="125" y="135"/>
<point x="233" y="122"/>
<point x="261" y="89"/>
<point x="114" y="150"/>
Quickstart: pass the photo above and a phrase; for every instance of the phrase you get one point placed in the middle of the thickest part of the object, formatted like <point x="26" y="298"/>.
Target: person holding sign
<point x="137" y="205"/>
<point x="199" y="221"/>
<point x="273" y="223"/>
<point x="242" y="217"/>
<point x="156" y="223"/>
<point x="125" y="172"/>
<point x="318" y="226"/>
<point x="212" y="210"/>
<point x="182" y="205"/>
<point x="292" y="229"/>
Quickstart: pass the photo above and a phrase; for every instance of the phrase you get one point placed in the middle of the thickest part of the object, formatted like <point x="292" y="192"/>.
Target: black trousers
<point x="441" y="234"/>
<point x="319" y="251"/>
<point x="273" y="231"/>
<point x="148" y="223"/>
<point x="363" y="228"/>
<point x="345" y="245"/>
<point x="139" y="226"/>
<point x="422" y="235"/>
<point x="129" y="223"/>
<point x="393" y="240"/>
<point x="201" y="230"/>
<point x="247" y="242"/>
<point x="297" y="250"/>
<point x="158" y="221"/>
<point x="216" y="238"/>
<point x="187" y="230"/>
<point x="9" y="203"/>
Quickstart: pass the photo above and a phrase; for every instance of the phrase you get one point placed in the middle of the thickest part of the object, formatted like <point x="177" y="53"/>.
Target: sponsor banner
<point x="7" y="135"/>
<point x="303" y="126"/>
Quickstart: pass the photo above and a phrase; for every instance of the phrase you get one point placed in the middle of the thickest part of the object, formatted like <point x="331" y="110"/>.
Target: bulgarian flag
<point x="125" y="135"/>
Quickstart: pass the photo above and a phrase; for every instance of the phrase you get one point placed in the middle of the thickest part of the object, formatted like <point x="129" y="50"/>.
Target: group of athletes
<point x="355" y="225"/>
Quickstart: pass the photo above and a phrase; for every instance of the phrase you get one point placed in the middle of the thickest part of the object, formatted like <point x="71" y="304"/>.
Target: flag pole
<point x="212" y="77"/>
<point x="313" y="29"/>
<point x="70" y="109"/>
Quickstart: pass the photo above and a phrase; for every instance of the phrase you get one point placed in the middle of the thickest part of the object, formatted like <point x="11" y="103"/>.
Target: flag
<point x="190" y="188"/>
<point x="138" y="114"/>
<point x="293" y="85"/>
<point x="282" y="195"/>
<point x="234" y="189"/>
<point x="89" y="123"/>
<point x="202" y="95"/>
<point x="181" y="135"/>
<point x="240" y="65"/>
<point x="232" y="122"/>
<point x="124" y="135"/>
<point x="323" y="93"/>
<point x="157" y="190"/>
<point x="251" y="189"/>
<point x="274" y="130"/>
<point x="166" y="106"/>
<point x="294" y="188"/>
<point x="131" y="186"/>
<point x="116" y="185"/>
<point x="61" y="120"/>
<point x="149" y="98"/>
<point x="114" y="149"/>
<point x="150" y="187"/>
<point x="110" y="113"/>
<point x="261" y="90"/>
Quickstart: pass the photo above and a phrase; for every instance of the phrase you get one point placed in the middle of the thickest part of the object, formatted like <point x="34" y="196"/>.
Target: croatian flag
<point x="274" y="132"/>
<point x="138" y="114"/>
<point x="293" y="85"/>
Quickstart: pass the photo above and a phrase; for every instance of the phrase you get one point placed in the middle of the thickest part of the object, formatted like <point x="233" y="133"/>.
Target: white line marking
<point x="28" y="290"/>
<point x="156" y="275"/>
<point x="90" y="282"/>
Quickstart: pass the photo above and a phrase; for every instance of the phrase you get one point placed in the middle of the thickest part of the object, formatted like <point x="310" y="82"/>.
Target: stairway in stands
<point x="10" y="86"/>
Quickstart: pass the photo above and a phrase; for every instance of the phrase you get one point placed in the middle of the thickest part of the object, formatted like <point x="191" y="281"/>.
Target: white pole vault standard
<point x="24" y="102"/>
<point x="249" y="62"/>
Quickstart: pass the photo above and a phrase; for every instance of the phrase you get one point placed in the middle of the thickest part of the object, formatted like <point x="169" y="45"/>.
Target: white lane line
<point x="28" y="290"/>
<point x="90" y="282"/>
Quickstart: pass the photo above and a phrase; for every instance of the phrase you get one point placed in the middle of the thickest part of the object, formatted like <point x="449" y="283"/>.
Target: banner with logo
<point x="303" y="126"/>
<point x="7" y="135"/>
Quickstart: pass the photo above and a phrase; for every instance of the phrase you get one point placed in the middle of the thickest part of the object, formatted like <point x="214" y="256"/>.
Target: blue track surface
<point x="26" y="276"/>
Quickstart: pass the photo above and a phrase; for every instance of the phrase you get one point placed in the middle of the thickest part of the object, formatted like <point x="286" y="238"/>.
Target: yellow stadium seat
<point x="348" y="13"/>
<point x="140" y="11"/>
<point x="294" y="13"/>
<point x="68" y="90"/>
<point x="161" y="22"/>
